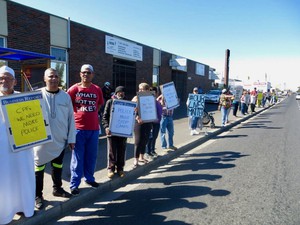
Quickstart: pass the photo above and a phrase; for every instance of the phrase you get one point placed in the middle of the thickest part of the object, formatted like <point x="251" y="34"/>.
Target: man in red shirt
<point x="87" y="99"/>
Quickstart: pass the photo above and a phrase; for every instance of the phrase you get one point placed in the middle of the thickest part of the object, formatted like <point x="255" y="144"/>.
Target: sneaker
<point x="93" y="184"/>
<point x="193" y="132"/>
<point x="61" y="193"/>
<point x="172" y="148"/>
<point x="154" y="154"/>
<point x="148" y="156"/>
<point x="39" y="203"/>
<point x="121" y="173"/>
<point x="75" y="191"/>
<point x="110" y="174"/>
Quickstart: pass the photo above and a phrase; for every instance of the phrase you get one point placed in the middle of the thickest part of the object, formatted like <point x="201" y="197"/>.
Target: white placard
<point x="170" y="95"/>
<point x="147" y="106"/>
<point x="122" y="118"/>
<point x="122" y="48"/>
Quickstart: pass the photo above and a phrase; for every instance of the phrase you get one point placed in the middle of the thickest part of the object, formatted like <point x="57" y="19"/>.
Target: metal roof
<point x="19" y="55"/>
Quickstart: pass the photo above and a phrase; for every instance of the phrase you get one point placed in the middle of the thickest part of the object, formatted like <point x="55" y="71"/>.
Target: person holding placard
<point x="17" y="186"/>
<point x="141" y="132"/>
<point x="166" y="125"/>
<point x="193" y="120"/>
<point x="116" y="145"/>
<point x="61" y="119"/>
<point x="150" y="150"/>
<point x="87" y="99"/>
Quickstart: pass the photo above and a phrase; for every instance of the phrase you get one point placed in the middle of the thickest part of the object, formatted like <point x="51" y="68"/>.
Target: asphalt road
<point x="248" y="175"/>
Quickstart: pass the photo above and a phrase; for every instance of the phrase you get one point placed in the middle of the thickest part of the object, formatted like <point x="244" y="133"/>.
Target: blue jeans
<point x="194" y="122"/>
<point x="166" y="124"/>
<point x="84" y="156"/>
<point x="224" y="112"/>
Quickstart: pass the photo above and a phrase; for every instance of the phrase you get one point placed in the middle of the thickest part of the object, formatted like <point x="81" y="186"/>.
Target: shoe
<point x="75" y="191"/>
<point x="39" y="203"/>
<point x="121" y="173"/>
<point x="154" y="154"/>
<point x="110" y="174"/>
<point x="172" y="148"/>
<point x="193" y="132"/>
<point x="93" y="184"/>
<point x="148" y="156"/>
<point x="143" y="161"/>
<point x="61" y="193"/>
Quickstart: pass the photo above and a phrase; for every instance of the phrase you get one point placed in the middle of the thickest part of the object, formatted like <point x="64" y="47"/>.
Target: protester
<point x="141" y="132"/>
<point x="61" y="119"/>
<point x="116" y="146"/>
<point x="17" y="189"/>
<point x="193" y="120"/>
<point x="253" y="99"/>
<point x="224" y="105"/>
<point x="87" y="99"/>
<point x="150" y="150"/>
<point x="244" y="102"/>
<point x="107" y="91"/>
<point x="166" y="125"/>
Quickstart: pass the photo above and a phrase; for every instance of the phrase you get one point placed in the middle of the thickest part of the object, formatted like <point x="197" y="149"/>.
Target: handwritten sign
<point x="196" y="104"/>
<point x="147" y="106"/>
<point x="122" y="118"/>
<point x="170" y="95"/>
<point x="25" y="120"/>
<point x="237" y="92"/>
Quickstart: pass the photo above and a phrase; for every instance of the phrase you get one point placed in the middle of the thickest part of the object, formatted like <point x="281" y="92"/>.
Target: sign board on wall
<point x="26" y="120"/>
<point x="122" y="48"/>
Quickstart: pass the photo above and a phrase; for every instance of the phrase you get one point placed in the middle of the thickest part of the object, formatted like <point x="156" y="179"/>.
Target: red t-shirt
<point x="86" y="104"/>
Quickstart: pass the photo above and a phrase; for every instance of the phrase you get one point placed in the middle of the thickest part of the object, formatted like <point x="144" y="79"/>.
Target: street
<point x="248" y="175"/>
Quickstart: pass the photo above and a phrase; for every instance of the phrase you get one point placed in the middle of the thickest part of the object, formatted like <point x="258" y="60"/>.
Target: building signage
<point x="122" y="48"/>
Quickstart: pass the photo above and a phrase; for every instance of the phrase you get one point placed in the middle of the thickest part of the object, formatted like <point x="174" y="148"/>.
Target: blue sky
<point x="262" y="35"/>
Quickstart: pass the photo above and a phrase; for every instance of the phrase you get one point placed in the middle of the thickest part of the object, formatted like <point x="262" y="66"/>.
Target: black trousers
<point x="56" y="172"/>
<point x="116" y="147"/>
<point x="141" y="136"/>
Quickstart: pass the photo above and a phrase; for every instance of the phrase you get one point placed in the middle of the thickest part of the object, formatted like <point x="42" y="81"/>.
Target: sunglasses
<point x="85" y="72"/>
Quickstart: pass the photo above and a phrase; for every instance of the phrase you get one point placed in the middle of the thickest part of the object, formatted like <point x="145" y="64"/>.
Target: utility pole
<point x="226" y="72"/>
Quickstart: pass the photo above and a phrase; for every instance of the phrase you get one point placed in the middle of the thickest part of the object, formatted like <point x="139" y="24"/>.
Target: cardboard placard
<point x="122" y="118"/>
<point x="196" y="105"/>
<point x="26" y="120"/>
<point x="170" y="95"/>
<point x="147" y="106"/>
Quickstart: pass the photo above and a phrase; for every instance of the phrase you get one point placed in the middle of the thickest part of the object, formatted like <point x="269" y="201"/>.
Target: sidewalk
<point x="55" y="207"/>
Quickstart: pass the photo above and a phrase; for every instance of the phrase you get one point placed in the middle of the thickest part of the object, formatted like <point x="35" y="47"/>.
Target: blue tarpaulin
<point x="20" y="55"/>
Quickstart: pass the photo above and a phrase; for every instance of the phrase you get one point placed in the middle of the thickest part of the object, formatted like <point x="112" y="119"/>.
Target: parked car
<point x="298" y="96"/>
<point x="213" y="96"/>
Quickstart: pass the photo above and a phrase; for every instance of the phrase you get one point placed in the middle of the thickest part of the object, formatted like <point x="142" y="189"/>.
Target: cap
<point x="107" y="83"/>
<point x="224" y="91"/>
<point x="87" y="66"/>
<point x="120" y="89"/>
<point x="195" y="89"/>
<point x="6" y="69"/>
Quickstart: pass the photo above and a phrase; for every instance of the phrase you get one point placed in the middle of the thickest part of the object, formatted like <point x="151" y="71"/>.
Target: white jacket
<point x="62" y="124"/>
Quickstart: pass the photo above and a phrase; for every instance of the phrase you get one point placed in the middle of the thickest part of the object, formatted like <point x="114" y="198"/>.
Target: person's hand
<point x="72" y="146"/>
<point x="107" y="131"/>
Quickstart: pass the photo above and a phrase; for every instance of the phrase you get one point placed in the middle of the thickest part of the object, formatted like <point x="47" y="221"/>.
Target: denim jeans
<point x="166" y="124"/>
<point x="194" y="122"/>
<point x="224" y="112"/>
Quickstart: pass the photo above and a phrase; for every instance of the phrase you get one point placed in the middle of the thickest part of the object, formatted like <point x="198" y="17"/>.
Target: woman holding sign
<point x="141" y="131"/>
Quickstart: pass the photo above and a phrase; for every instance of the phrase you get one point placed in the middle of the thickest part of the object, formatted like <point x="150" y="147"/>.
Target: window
<point x="155" y="76"/>
<point x="2" y="45"/>
<point x="60" y="64"/>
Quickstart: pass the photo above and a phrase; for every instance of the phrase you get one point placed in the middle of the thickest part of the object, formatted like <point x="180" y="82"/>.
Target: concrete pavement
<point x="55" y="207"/>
